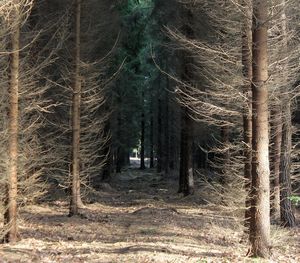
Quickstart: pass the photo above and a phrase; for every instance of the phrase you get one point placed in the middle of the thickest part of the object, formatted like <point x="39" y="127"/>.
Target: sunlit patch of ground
<point x="141" y="219"/>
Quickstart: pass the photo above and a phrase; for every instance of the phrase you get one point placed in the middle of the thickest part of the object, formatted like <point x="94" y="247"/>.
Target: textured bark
<point x="247" y="114"/>
<point x="10" y="216"/>
<point x="142" y="166"/>
<point x="151" y="141"/>
<point x="119" y="152"/>
<point x="260" y="188"/>
<point x="159" y="137"/>
<point x="186" y="176"/>
<point x="167" y="132"/>
<point x="275" y="166"/>
<point x="75" y="190"/>
<point x="286" y="212"/>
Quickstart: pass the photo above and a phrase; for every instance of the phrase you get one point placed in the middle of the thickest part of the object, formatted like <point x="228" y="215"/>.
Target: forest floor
<point x="139" y="218"/>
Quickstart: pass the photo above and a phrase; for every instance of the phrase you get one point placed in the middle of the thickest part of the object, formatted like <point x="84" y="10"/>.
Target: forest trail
<point x="138" y="218"/>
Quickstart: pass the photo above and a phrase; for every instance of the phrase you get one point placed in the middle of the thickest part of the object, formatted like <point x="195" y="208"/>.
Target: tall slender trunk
<point x="159" y="137"/>
<point x="75" y="196"/>
<point x="173" y="141"/>
<point x="172" y="150"/>
<point x="151" y="140"/>
<point x="275" y="166"/>
<point x="260" y="188"/>
<point x="10" y="216"/>
<point x="247" y="113"/>
<point x="142" y="166"/>
<point x="167" y="131"/>
<point x="119" y="156"/>
<point x="186" y="176"/>
<point x="286" y="212"/>
<point x="182" y="167"/>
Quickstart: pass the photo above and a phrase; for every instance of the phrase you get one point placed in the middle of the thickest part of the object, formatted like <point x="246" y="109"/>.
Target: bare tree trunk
<point x="275" y="167"/>
<point x="10" y="216"/>
<point x="247" y="115"/>
<point x="182" y="168"/>
<point x="260" y="188"/>
<point x="286" y="212"/>
<point x="167" y="132"/>
<point x="186" y="176"/>
<point x="142" y="166"/>
<point x="151" y="140"/>
<point x="75" y="196"/>
<point x="159" y="137"/>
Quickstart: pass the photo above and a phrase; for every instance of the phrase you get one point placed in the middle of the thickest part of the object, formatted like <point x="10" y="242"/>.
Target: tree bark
<point x="75" y="195"/>
<point x="286" y="212"/>
<point x="151" y="140"/>
<point x="167" y="131"/>
<point x="247" y="114"/>
<point x="275" y="167"/>
<point x="186" y="176"/>
<point x="260" y="188"/>
<point x="142" y="166"/>
<point x="159" y="137"/>
<point x="10" y="216"/>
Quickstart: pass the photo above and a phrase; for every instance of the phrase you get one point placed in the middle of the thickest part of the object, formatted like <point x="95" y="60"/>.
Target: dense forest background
<point x="202" y="94"/>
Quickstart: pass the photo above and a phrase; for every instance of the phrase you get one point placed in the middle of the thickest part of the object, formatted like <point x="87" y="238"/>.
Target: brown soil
<point x="139" y="217"/>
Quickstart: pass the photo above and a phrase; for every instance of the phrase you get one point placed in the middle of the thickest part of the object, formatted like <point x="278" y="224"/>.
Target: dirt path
<point x="139" y="218"/>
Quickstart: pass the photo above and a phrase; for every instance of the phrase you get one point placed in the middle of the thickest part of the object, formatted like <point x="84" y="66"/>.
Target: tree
<point x="247" y="113"/>
<point x="75" y="170"/>
<point x="10" y="216"/>
<point x="260" y="188"/>
<point x="186" y="173"/>
<point x="23" y="112"/>
<point x="286" y="213"/>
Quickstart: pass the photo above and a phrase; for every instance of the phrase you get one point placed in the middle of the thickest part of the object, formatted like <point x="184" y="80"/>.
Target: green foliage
<point x="129" y="95"/>
<point x="295" y="200"/>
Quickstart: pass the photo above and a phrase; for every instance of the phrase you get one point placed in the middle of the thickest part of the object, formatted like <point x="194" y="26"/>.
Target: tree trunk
<point x="275" y="167"/>
<point x="142" y="166"/>
<point x="159" y="137"/>
<point x="167" y="132"/>
<point x="186" y="176"/>
<point x="119" y="156"/>
<point x="286" y="212"/>
<point x="75" y="196"/>
<point x="173" y="141"/>
<point x="10" y="216"/>
<point x="247" y="114"/>
<point x="151" y="141"/>
<point x="260" y="188"/>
